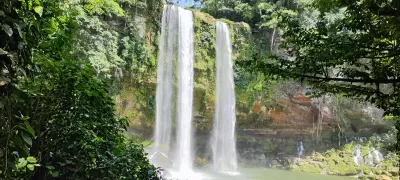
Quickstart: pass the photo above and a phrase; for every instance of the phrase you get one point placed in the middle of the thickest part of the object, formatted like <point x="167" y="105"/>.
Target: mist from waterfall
<point x="223" y="136"/>
<point x="174" y="96"/>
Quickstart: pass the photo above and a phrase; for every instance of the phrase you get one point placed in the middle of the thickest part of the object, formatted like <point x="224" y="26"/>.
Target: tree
<point x="262" y="16"/>
<point x="57" y="118"/>
<point x="351" y="48"/>
<point x="27" y="28"/>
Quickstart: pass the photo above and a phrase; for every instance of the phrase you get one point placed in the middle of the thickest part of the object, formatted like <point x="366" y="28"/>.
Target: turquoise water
<point x="262" y="174"/>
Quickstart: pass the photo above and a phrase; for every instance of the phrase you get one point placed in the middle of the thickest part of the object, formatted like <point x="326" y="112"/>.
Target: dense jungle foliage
<point x="57" y="114"/>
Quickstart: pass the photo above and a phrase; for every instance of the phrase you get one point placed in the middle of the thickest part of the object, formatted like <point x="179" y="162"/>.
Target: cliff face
<point x="136" y="99"/>
<point x="269" y="123"/>
<point x="135" y="90"/>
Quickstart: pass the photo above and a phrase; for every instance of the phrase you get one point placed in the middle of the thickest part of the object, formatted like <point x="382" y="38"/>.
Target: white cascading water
<point x="176" y="48"/>
<point x="183" y="157"/>
<point x="223" y="137"/>
<point x="164" y="91"/>
<point x="358" y="156"/>
<point x="377" y="155"/>
<point x="369" y="159"/>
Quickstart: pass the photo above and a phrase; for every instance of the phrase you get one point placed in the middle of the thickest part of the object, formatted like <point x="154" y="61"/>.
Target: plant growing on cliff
<point x="119" y="41"/>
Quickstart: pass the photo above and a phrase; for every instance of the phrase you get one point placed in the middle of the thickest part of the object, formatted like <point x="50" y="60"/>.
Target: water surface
<point x="262" y="174"/>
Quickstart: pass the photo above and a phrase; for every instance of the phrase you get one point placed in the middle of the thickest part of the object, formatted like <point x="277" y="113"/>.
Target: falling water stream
<point x="162" y="135"/>
<point x="184" y="157"/>
<point x="174" y="97"/>
<point x="223" y="137"/>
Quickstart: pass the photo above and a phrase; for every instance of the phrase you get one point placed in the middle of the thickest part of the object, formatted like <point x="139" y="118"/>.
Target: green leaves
<point x="98" y="7"/>
<point x="273" y="14"/>
<point x="269" y="7"/>
<point x="50" y="167"/>
<point x="24" y="32"/>
<point x="71" y="122"/>
<point x="28" y="163"/>
<point x="3" y="52"/>
<point x="348" y="47"/>
<point x="27" y="139"/>
<point x="6" y="28"/>
<point x="31" y="159"/>
<point x="245" y="10"/>
<point x="29" y="128"/>
<point x="30" y="167"/>
<point x="55" y="174"/>
<point x="21" y="163"/>
<point x="38" y="10"/>
<point x="86" y="140"/>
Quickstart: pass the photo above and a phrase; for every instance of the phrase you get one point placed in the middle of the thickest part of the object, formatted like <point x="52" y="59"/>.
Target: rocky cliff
<point x="280" y="114"/>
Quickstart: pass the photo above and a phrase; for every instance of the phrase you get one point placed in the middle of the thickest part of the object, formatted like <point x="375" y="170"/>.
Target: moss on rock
<point x="204" y="61"/>
<point x="340" y="162"/>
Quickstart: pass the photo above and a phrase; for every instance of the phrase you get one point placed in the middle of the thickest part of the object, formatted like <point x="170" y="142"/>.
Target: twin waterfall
<point x="174" y="129"/>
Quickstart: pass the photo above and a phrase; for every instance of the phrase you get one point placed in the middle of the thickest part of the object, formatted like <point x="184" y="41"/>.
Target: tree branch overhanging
<point x="367" y="81"/>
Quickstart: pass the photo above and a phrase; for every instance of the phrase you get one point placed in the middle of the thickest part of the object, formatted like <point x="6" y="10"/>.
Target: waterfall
<point x="174" y="94"/>
<point x="358" y="156"/>
<point x="164" y="90"/>
<point x="369" y="160"/>
<point x="223" y="137"/>
<point x="377" y="155"/>
<point x="184" y="157"/>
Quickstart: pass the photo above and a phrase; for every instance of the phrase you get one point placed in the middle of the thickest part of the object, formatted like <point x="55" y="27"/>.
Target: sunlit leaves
<point x="265" y="6"/>
<point x="7" y="29"/>
<point x="21" y="163"/>
<point x="3" y="52"/>
<point x="245" y="10"/>
<point x="38" y="10"/>
<point x="30" y="167"/>
<point x="350" y="38"/>
<point x="98" y="7"/>
<point x="31" y="159"/>
<point x="26" y="163"/>
<point x="272" y="14"/>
